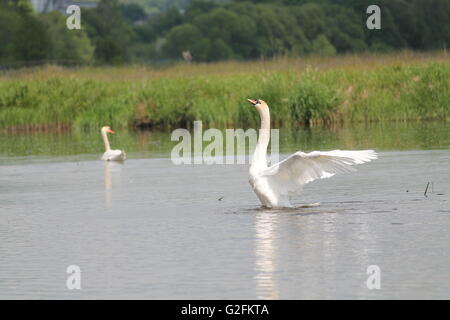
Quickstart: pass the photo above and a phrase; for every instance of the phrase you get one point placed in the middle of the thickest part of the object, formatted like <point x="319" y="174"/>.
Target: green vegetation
<point x="345" y="89"/>
<point x="87" y="144"/>
<point x="130" y="31"/>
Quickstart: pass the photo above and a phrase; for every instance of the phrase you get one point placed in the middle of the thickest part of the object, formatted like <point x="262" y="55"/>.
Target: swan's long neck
<point x="105" y="140"/>
<point x="259" y="160"/>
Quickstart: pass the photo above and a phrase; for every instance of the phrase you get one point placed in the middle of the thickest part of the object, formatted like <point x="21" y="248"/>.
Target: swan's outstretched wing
<point x="290" y="174"/>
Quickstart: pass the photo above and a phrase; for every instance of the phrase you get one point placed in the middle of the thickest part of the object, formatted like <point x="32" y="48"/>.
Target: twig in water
<point x="426" y="189"/>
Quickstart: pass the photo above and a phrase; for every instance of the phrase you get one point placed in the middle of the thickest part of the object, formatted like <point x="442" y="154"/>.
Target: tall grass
<point x="396" y="87"/>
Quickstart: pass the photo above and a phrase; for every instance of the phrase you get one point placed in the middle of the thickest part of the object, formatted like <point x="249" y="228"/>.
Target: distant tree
<point x="244" y="40"/>
<point x="278" y="32"/>
<point x="163" y="22"/>
<point x="10" y="25"/>
<point x="65" y="44"/>
<point x="219" y="50"/>
<point x="345" y="29"/>
<point x="31" y="40"/>
<point x="322" y="46"/>
<point x="109" y="31"/>
<point x="198" y="7"/>
<point x="434" y="21"/>
<point x="145" y="32"/>
<point x="121" y="31"/>
<point x="186" y="37"/>
<point x="311" y="18"/>
<point x="133" y="12"/>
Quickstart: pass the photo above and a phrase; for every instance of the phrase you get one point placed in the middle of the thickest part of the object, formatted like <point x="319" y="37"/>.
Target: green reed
<point x="340" y="90"/>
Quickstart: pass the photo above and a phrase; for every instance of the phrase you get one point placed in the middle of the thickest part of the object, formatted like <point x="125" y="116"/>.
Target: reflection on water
<point x="149" y="229"/>
<point x="76" y="145"/>
<point x="108" y="182"/>
<point x="111" y="168"/>
<point x="265" y="254"/>
<point x="146" y="228"/>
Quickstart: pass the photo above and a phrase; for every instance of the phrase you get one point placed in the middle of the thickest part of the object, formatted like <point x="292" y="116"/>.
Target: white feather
<point x="114" y="155"/>
<point x="301" y="168"/>
<point x="273" y="185"/>
<point x="111" y="155"/>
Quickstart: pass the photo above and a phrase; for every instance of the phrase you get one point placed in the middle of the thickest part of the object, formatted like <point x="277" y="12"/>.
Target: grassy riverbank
<point x="397" y="87"/>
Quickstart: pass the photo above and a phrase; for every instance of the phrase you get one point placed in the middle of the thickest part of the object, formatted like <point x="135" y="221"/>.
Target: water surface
<point x="149" y="229"/>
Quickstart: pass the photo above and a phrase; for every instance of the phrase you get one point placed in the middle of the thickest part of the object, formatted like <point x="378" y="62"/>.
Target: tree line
<point x="117" y="33"/>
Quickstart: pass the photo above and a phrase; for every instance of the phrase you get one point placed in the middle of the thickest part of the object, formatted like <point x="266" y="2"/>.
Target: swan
<point x="273" y="185"/>
<point x="111" y="155"/>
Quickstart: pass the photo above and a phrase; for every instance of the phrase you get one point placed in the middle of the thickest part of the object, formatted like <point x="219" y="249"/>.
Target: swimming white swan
<point x="274" y="184"/>
<point x="111" y="155"/>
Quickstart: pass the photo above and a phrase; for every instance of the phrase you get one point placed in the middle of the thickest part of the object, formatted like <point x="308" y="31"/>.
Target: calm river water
<point x="150" y="229"/>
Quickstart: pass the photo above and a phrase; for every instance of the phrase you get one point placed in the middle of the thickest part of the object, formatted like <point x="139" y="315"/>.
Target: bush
<point x="314" y="101"/>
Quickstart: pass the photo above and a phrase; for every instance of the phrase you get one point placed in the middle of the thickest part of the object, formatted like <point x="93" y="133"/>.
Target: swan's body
<point x="274" y="184"/>
<point x="111" y="155"/>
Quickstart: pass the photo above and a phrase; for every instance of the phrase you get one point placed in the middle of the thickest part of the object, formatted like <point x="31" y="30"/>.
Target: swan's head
<point x="258" y="103"/>
<point x="107" y="129"/>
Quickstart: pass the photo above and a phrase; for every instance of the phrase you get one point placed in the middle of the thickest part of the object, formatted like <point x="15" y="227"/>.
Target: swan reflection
<point x="110" y="168"/>
<point x="265" y="253"/>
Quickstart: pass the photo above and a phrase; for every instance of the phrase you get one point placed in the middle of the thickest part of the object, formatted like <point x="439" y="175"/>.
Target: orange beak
<point x="252" y="101"/>
<point x="110" y="131"/>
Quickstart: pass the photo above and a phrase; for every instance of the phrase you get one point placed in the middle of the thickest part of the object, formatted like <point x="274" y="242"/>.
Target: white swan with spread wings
<point x="274" y="184"/>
